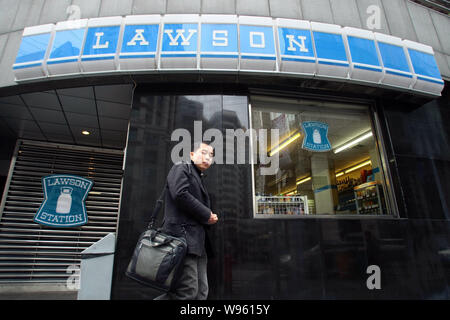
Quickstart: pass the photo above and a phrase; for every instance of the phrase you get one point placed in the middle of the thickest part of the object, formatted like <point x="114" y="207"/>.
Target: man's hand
<point x="213" y="218"/>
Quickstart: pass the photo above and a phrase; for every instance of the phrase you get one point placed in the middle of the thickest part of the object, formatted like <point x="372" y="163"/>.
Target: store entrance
<point x="159" y="127"/>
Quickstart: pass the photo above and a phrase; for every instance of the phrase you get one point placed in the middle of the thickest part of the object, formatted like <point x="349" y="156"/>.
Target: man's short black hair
<point x="196" y="145"/>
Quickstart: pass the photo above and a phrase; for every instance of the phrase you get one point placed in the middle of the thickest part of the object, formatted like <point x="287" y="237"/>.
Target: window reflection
<point x="328" y="159"/>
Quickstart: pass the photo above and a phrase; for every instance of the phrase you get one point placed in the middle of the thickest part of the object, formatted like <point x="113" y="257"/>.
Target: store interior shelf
<point x="282" y="205"/>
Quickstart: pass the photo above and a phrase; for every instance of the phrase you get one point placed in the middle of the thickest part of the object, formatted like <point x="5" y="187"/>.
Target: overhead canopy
<point x="226" y="44"/>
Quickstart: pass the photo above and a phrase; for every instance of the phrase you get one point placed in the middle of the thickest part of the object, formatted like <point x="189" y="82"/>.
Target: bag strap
<point x="157" y="208"/>
<point x="159" y="203"/>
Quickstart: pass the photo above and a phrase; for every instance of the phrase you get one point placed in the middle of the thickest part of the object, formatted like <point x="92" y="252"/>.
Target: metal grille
<point x="438" y="5"/>
<point x="30" y="252"/>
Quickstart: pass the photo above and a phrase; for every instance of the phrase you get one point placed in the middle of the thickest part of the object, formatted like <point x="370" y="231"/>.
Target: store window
<point x="328" y="159"/>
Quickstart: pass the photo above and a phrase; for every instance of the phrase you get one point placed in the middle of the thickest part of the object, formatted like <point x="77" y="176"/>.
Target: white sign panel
<point x="226" y="43"/>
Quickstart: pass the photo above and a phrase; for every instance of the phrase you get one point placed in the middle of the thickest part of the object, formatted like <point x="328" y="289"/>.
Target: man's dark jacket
<point x="187" y="206"/>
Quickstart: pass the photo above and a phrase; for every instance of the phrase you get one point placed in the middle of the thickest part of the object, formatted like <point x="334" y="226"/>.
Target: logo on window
<point x="316" y="136"/>
<point x="64" y="197"/>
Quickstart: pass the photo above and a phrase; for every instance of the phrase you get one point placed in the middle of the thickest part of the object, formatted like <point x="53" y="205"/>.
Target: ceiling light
<point x="85" y="132"/>
<point x="353" y="142"/>
<point x="303" y="180"/>
<point x="284" y="144"/>
<point x="358" y="166"/>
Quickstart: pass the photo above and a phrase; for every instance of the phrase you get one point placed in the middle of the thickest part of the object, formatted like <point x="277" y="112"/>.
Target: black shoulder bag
<point x="158" y="258"/>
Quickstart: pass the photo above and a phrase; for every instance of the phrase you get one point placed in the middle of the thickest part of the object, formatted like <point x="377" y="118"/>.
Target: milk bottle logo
<point x="64" y="201"/>
<point x="316" y="136"/>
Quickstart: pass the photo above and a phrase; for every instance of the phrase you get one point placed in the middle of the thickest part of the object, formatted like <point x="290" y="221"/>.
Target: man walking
<point x="187" y="213"/>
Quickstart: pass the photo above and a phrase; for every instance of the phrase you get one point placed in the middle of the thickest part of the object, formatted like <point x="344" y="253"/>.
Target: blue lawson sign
<point x="32" y="50"/>
<point x="219" y="40"/>
<point x="316" y="136"/>
<point x="101" y="43"/>
<point x="256" y="42"/>
<point x="136" y="42"/>
<point x="66" y="46"/>
<point x="317" y="51"/>
<point x="296" y="45"/>
<point x="180" y="40"/>
<point x="64" y="197"/>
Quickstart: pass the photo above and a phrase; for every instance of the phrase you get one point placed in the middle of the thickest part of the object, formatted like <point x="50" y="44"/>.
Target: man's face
<point x="203" y="157"/>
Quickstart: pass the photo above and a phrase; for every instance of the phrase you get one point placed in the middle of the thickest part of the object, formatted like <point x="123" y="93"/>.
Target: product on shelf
<point x="282" y="205"/>
<point x="368" y="198"/>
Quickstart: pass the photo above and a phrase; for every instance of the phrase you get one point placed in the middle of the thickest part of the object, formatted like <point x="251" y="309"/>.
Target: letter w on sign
<point x="180" y="33"/>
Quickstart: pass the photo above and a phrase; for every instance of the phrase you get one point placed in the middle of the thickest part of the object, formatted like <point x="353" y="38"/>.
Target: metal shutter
<point x="30" y="252"/>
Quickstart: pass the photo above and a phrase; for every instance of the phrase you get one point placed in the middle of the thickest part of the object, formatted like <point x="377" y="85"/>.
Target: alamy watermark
<point x="73" y="280"/>
<point x="233" y="154"/>
<point x="374" y="19"/>
<point x="374" y="280"/>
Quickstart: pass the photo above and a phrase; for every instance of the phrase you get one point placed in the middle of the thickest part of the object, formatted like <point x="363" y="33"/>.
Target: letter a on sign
<point x="138" y="37"/>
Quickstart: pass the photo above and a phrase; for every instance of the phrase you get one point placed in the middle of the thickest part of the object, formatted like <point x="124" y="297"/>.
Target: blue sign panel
<point x="394" y="58"/>
<point x="316" y="136"/>
<point x="139" y="41"/>
<point x="330" y="46"/>
<point x="296" y="44"/>
<point x="179" y="40"/>
<point x="101" y="41"/>
<point x="32" y="50"/>
<point x="425" y="64"/>
<point x="363" y="51"/>
<point x="64" y="197"/>
<point x="257" y="42"/>
<point x="219" y="38"/>
<point x="67" y="44"/>
<point x="227" y="43"/>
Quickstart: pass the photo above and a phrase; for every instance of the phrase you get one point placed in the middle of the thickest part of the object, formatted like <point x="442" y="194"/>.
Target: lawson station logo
<point x="64" y="197"/>
<point x="316" y="136"/>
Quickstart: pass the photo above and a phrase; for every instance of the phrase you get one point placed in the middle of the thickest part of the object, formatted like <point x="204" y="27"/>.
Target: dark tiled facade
<point x="316" y="258"/>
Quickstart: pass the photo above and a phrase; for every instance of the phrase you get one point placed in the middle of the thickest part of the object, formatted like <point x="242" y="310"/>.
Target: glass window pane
<point x="328" y="161"/>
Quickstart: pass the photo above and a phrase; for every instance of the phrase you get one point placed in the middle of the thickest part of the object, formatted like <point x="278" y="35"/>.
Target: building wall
<point x="400" y="18"/>
<point x="315" y="258"/>
<point x="310" y="258"/>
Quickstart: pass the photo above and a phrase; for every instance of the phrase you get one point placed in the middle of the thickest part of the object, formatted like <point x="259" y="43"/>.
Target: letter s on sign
<point x="219" y="41"/>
